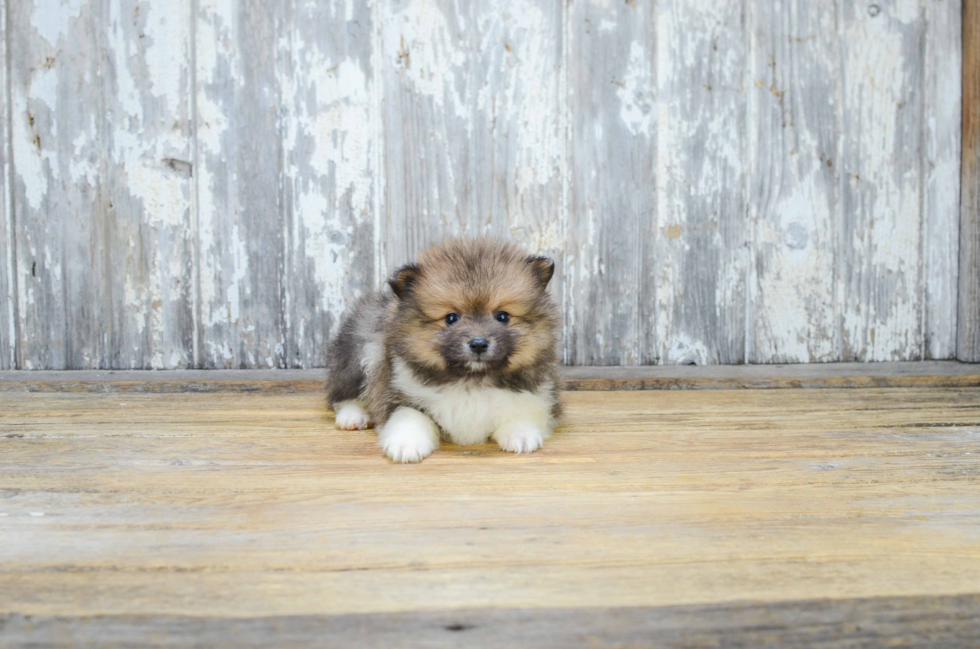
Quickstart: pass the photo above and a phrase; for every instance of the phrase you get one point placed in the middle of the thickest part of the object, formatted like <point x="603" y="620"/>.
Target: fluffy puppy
<point x="459" y="345"/>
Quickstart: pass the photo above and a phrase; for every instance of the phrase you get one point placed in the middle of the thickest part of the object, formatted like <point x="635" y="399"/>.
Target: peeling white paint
<point x="551" y="236"/>
<point x="525" y="97"/>
<point x="941" y="232"/>
<point x="683" y="350"/>
<point x="881" y="321"/>
<point x="51" y="18"/>
<point x="791" y="315"/>
<point x="340" y="130"/>
<point x="906" y="11"/>
<point x="84" y="167"/>
<point x="698" y="175"/>
<point x="223" y="257"/>
<point x="429" y="53"/>
<point x="150" y="109"/>
<point x="30" y="167"/>
<point x="331" y="123"/>
<point x="8" y="332"/>
<point x="636" y="91"/>
<point x="31" y="120"/>
<point x="488" y="87"/>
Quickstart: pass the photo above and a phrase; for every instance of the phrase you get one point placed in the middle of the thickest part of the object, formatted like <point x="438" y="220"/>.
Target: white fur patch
<point x="519" y="437"/>
<point x="371" y="356"/>
<point x="470" y="413"/>
<point x="408" y="435"/>
<point x="351" y="415"/>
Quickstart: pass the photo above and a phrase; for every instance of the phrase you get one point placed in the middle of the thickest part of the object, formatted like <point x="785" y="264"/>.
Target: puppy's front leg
<point x="409" y="435"/>
<point x="520" y="436"/>
<point x="351" y="415"/>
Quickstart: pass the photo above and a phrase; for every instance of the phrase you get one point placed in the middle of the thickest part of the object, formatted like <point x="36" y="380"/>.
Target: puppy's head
<point x="475" y="308"/>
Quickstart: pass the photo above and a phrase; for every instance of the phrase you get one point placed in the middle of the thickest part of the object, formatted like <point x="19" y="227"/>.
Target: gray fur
<point x="371" y="336"/>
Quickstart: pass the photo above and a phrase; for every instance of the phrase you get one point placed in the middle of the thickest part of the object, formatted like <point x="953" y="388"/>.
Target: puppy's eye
<point x="452" y="318"/>
<point x="502" y="316"/>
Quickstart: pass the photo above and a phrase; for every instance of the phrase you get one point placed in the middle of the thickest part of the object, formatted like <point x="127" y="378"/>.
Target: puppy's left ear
<point x="543" y="268"/>
<point x="401" y="282"/>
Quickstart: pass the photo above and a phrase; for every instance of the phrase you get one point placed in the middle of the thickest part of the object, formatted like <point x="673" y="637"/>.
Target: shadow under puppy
<point x="464" y="342"/>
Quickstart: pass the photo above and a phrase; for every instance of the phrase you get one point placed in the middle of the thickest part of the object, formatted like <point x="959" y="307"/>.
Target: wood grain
<point x="880" y="243"/>
<point x="428" y="105"/>
<point x="941" y="134"/>
<point x="612" y="208"/>
<point x="700" y="282"/>
<point x="239" y="165"/>
<point x="57" y="134"/>
<point x="794" y="191"/>
<point x="968" y="320"/>
<point x="922" y="374"/>
<point x="8" y="278"/>
<point x="952" y="621"/>
<point x="231" y="505"/>
<point x="148" y="248"/>
<point x="331" y="112"/>
<point x="936" y="374"/>
<point x="472" y="114"/>
<point x="517" y="139"/>
<point x="210" y="184"/>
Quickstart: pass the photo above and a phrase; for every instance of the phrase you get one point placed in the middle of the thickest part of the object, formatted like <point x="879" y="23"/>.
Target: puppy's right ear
<point x="543" y="268"/>
<point x="403" y="279"/>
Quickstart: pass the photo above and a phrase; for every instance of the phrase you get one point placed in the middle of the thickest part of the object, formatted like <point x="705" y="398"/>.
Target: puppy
<point x="461" y="345"/>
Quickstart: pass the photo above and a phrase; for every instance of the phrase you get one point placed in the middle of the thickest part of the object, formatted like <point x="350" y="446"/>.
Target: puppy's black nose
<point x="479" y="345"/>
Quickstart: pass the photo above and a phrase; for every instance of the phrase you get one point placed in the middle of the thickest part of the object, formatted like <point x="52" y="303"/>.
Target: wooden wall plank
<point x="427" y="122"/>
<point x="518" y="135"/>
<point x="941" y="130"/>
<point x="700" y="282"/>
<point x="331" y="181"/>
<point x="612" y="214"/>
<point x="880" y="253"/>
<point x="472" y="123"/>
<point x="58" y="123"/>
<point x="794" y="98"/>
<point x="238" y="187"/>
<point x="968" y="321"/>
<point x="149" y="159"/>
<point x="8" y="292"/>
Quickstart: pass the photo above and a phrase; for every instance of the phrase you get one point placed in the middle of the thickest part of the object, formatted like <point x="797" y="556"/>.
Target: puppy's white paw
<point x="519" y="437"/>
<point x="409" y="436"/>
<point x="406" y="448"/>
<point x="351" y="416"/>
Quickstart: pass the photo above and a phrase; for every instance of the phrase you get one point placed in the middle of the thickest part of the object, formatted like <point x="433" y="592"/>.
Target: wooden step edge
<point x="922" y="374"/>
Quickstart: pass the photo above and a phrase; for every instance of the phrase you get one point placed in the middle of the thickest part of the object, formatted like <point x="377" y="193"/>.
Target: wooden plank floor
<point x="130" y="514"/>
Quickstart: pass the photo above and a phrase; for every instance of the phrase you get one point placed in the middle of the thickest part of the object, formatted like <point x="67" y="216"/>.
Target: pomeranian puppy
<point x="461" y="345"/>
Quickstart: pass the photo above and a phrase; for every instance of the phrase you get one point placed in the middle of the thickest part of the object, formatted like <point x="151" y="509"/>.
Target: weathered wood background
<point x="208" y="183"/>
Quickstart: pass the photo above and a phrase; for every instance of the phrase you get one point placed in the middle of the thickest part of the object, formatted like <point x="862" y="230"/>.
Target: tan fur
<point x="499" y="280"/>
<point x="476" y="280"/>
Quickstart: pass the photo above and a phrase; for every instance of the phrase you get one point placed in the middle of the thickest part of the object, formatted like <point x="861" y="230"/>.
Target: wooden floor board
<point x="951" y="621"/>
<point x="241" y="506"/>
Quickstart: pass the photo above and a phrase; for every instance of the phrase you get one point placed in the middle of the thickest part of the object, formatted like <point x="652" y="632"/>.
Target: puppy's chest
<point x="470" y="413"/>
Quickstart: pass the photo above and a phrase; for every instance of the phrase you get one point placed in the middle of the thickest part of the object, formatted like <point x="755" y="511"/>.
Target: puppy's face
<point x="475" y="308"/>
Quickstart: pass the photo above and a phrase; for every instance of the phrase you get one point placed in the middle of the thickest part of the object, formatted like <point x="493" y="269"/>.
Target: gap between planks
<point x="924" y="374"/>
